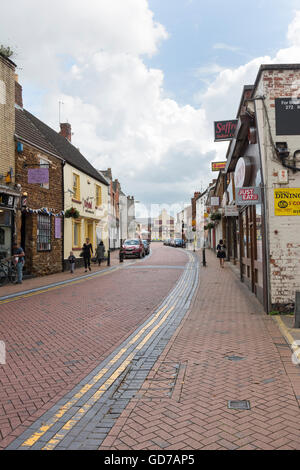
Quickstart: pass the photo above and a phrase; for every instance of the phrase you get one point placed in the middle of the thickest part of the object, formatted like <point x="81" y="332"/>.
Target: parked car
<point x="167" y="242"/>
<point x="133" y="247"/>
<point x="146" y="246"/>
<point x="172" y="242"/>
<point x="179" y="242"/>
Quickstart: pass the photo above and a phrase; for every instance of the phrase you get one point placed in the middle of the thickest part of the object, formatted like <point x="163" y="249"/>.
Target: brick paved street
<point x="172" y="392"/>
<point x="226" y="349"/>
<point x="54" y="339"/>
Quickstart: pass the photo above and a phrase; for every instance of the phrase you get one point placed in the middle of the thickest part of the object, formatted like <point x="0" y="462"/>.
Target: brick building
<point x="39" y="172"/>
<point x="9" y="191"/>
<point x="263" y="183"/>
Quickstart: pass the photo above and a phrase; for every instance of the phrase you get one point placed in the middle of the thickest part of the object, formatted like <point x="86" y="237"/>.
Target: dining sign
<point x="287" y="201"/>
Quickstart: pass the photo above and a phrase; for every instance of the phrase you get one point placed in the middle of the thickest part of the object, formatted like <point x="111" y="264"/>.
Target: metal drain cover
<point x="239" y="405"/>
<point x="235" y="358"/>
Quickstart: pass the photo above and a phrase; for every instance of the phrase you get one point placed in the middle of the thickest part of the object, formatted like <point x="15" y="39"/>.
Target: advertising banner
<point x="231" y="211"/>
<point x="287" y="201"/>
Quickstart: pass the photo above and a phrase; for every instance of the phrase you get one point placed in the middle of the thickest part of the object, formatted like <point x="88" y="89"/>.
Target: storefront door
<point x="251" y="249"/>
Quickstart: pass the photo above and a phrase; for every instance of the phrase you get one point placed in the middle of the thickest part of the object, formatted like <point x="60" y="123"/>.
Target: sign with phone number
<point x="287" y="201"/>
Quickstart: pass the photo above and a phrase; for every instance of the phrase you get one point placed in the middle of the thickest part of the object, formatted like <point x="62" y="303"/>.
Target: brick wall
<point x="7" y="116"/>
<point x="40" y="262"/>
<point x="283" y="231"/>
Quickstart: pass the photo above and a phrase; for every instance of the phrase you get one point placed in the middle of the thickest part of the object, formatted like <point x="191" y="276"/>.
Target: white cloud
<point x="90" y="56"/>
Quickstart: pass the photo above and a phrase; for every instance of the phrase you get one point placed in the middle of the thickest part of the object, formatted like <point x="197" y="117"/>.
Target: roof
<point x="65" y="149"/>
<point x="26" y="130"/>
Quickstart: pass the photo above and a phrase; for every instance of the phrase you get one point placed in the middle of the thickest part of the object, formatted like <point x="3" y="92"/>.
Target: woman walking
<point x="221" y="253"/>
<point x="87" y="253"/>
<point x="100" y="252"/>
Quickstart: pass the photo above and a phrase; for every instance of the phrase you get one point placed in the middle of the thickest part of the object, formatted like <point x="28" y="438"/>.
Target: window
<point x="44" y="164"/>
<point x="44" y="233"/>
<point x="76" y="233"/>
<point x="76" y="186"/>
<point x="98" y="196"/>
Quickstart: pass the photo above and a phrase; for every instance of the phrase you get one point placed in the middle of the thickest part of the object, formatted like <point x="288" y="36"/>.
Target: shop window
<point x="76" y="233"/>
<point x="43" y="233"/>
<point x="76" y="186"/>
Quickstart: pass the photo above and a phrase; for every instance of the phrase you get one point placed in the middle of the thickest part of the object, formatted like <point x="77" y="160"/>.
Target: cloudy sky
<point x="142" y="81"/>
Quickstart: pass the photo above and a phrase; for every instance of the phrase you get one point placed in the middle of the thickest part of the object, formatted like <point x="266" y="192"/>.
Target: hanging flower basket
<point x="215" y="216"/>
<point x="72" y="213"/>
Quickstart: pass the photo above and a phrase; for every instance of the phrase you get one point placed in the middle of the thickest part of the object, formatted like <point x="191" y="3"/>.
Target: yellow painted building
<point x="89" y="196"/>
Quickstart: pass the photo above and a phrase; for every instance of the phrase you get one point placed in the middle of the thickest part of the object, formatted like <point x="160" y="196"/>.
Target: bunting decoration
<point x="44" y="211"/>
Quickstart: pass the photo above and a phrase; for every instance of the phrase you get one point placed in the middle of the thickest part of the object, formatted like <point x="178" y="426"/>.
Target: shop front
<point x="8" y="202"/>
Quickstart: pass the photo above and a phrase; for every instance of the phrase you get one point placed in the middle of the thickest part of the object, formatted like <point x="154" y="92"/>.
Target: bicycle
<point x="8" y="272"/>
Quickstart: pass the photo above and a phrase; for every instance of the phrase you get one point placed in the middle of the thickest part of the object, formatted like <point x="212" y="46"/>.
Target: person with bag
<point x="100" y="252"/>
<point x="221" y="253"/>
<point x="87" y="251"/>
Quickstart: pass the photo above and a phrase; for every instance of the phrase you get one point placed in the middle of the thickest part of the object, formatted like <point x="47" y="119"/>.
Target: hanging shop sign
<point x="214" y="201"/>
<point x="231" y="211"/>
<point x="38" y="175"/>
<point x="248" y="196"/>
<point x="225" y="130"/>
<point x="243" y="172"/>
<point x="287" y="113"/>
<point x="287" y="201"/>
<point x="218" y="166"/>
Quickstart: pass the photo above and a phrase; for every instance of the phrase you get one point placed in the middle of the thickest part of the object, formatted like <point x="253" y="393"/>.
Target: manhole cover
<point x="239" y="405"/>
<point x="235" y="358"/>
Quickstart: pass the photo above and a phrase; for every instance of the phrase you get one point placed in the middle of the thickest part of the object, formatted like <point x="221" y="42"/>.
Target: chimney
<point x="65" y="130"/>
<point x="18" y="93"/>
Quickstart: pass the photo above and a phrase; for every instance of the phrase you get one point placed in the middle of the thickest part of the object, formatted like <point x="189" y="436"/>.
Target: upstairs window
<point x="98" y="196"/>
<point x="76" y="186"/>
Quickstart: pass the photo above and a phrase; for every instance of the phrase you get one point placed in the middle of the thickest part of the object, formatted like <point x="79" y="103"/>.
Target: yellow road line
<point x="286" y="333"/>
<point x="72" y="422"/>
<point x="36" y="436"/>
<point x="44" y="428"/>
<point x="48" y="289"/>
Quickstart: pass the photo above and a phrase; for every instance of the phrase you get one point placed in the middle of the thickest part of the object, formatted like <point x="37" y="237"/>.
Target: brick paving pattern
<point x="54" y="339"/>
<point x="226" y="349"/>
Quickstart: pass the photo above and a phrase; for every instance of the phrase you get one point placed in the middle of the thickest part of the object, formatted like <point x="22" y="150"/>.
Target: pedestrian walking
<point x="72" y="261"/>
<point x="100" y="252"/>
<point x="87" y="250"/>
<point x="18" y="260"/>
<point x="221" y="253"/>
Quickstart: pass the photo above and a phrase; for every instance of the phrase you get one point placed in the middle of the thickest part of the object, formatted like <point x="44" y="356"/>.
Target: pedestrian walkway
<point x="224" y="381"/>
<point x="42" y="281"/>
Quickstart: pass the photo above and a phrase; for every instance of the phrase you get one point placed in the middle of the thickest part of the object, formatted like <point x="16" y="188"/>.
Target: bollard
<point x="121" y="256"/>
<point x="297" y="310"/>
<point x="203" y="257"/>
<point x="108" y="258"/>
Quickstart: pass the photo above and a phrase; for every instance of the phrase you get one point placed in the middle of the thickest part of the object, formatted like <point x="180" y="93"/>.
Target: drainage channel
<point x="84" y="417"/>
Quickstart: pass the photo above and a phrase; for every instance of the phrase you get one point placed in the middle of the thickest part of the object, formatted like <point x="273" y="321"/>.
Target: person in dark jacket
<point x="87" y="253"/>
<point x="100" y="252"/>
<point x="221" y="253"/>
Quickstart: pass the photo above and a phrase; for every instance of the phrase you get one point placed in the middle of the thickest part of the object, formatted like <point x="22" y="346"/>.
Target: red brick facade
<point x="50" y="196"/>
